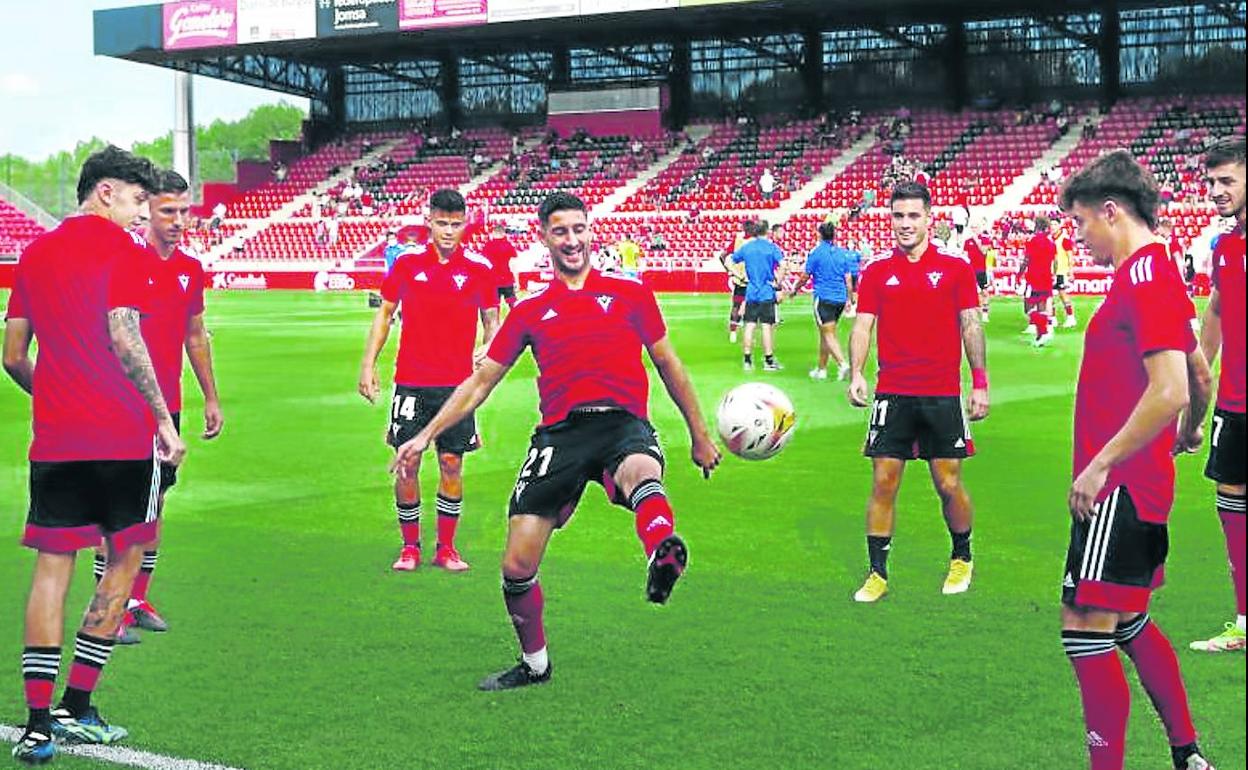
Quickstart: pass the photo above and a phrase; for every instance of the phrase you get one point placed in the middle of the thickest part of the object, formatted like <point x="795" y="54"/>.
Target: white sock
<point x="1239" y="623"/>
<point x="537" y="661"/>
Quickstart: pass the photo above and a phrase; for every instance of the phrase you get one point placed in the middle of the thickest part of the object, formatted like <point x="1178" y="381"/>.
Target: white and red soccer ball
<point x="755" y="420"/>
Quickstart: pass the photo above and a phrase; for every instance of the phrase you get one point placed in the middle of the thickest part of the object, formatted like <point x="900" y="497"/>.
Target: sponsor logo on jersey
<point x="892" y="281"/>
<point x="550" y="314"/>
<point x="420" y="276"/>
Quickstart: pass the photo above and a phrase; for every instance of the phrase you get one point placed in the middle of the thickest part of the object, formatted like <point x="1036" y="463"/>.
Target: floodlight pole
<point x="184" y="130"/>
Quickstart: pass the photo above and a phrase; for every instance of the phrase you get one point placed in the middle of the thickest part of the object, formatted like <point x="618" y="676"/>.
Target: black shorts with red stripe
<point x="74" y="504"/>
<point x="1115" y="561"/>
<point x="1226" y="448"/>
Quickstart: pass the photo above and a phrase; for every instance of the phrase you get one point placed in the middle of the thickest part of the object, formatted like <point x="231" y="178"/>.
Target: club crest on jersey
<point x="459" y="280"/>
<point x="604" y="301"/>
<point x="934" y="277"/>
<point x="185" y="280"/>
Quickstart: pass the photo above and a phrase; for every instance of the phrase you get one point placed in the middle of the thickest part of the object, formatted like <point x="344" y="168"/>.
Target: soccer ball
<point x="755" y="420"/>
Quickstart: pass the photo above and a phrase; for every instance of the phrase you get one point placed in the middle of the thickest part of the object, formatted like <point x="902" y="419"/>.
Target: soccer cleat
<point x="147" y="618"/>
<point x="818" y="374"/>
<point x="959" y="577"/>
<point x="1230" y="640"/>
<point x="35" y="747"/>
<point x="842" y="372"/>
<point x="409" y="559"/>
<point x="873" y="589"/>
<point x="1188" y="757"/>
<point x="772" y="366"/>
<point x="667" y="564"/>
<point x="747" y="366"/>
<point x="87" y="727"/>
<point x="125" y="632"/>
<point x="1196" y="762"/>
<point x="519" y="675"/>
<point x="448" y="559"/>
<point x="1030" y="330"/>
<point x="1070" y="322"/>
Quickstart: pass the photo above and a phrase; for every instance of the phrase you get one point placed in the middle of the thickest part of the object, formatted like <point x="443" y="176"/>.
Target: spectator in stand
<point x="767" y="184"/>
<point x="218" y="214"/>
<point x="657" y="241"/>
<point x="280" y="171"/>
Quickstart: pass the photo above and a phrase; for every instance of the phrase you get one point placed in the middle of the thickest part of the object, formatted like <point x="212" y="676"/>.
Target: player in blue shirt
<point x="761" y="258"/>
<point x="392" y="251"/>
<point x="834" y="269"/>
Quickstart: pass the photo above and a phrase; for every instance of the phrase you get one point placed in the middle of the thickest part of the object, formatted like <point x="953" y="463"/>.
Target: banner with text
<point x="520" y="10"/>
<point x="356" y="17"/>
<point x="262" y="21"/>
<point x="428" y="14"/>
<point x="200" y="24"/>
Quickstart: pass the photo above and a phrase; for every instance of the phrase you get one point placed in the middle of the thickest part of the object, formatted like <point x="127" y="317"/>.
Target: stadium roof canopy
<point x="337" y="51"/>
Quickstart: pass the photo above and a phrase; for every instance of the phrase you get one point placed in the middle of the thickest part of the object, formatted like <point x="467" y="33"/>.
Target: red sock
<point x="39" y="693"/>
<point x="90" y="655"/>
<point x="448" y="519"/>
<point x="143" y="581"/>
<point x="1070" y="310"/>
<point x="1158" y="668"/>
<point x="511" y="301"/>
<point x="40" y="665"/>
<point x="1231" y="512"/>
<point x="655" y="520"/>
<point x="1106" y="697"/>
<point x="1041" y="322"/>
<point x="409" y="523"/>
<point x="525" y="602"/>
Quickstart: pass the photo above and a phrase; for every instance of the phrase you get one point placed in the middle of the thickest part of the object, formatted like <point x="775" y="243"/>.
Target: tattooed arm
<point x="131" y="352"/>
<point x="977" y="357"/>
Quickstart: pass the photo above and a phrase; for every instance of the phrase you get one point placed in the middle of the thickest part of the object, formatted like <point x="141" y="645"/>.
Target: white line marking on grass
<point x="120" y="755"/>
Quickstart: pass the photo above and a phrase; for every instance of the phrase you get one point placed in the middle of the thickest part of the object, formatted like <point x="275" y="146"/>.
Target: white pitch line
<point x="120" y="755"/>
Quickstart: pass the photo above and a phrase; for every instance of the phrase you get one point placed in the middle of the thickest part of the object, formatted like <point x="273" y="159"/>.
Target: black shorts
<point x="1059" y="283"/>
<point x="738" y="295"/>
<point x="74" y="504"/>
<point x="169" y="473"/>
<point x="1114" y="561"/>
<point x="981" y="278"/>
<point x="1226" y="448"/>
<point x="760" y="312"/>
<point x="828" y="312"/>
<point x="412" y="409"/>
<point x="918" y="427"/>
<point x="563" y="457"/>
<point x="507" y="292"/>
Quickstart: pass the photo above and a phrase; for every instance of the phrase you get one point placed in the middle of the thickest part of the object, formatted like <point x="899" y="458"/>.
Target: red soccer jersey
<point x="66" y="282"/>
<point x="1041" y="252"/>
<point x="440" y="302"/>
<point x="1146" y="310"/>
<point x="500" y="252"/>
<point x="975" y="253"/>
<point x="1228" y="277"/>
<point x="177" y="296"/>
<point x="587" y="343"/>
<point x="916" y="305"/>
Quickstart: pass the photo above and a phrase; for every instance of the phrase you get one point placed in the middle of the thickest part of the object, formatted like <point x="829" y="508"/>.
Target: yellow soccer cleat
<point x="959" y="578"/>
<point x="1230" y="640"/>
<point x="873" y="589"/>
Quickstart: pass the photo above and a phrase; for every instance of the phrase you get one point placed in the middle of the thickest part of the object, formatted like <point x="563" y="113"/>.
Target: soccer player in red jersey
<point x="442" y="290"/>
<point x="173" y="321"/>
<point x="1037" y="271"/>
<point x="979" y="266"/>
<point x="586" y="331"/>
<point x="928" y="310"/>
<point x="96" y="406"/>
<point x="1141" y="368"/>
<point x="1223" y="328"/>
<point x="499" y="251"/>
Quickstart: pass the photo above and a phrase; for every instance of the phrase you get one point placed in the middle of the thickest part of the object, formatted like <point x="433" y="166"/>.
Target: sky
<point x="54" y="92"/>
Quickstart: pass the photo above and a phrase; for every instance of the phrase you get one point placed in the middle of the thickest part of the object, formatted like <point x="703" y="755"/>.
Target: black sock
<point x="769" y="359"/>
<point x="75" y="700"/>
<point x="40" y="721"/>
<point x="877" y="549"/>
<point x="749" y="359"/>
<point x="1180" y="754"/>
<point x="961" y="545"/>
<point x="98" y="567"/>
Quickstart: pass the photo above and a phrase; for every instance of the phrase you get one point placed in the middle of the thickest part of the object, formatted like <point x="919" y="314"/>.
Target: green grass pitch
<point x="294" y="646"/>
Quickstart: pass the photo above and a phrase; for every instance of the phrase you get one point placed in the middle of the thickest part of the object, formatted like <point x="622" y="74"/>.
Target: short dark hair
<point x="168" y="181"/>
<point x="1116" y="176"/>
<point x="827" y="231"/>
<point x="112" y="162"/>
<point x="911" y="191"/>
<point x="447" y="200"/>
<point x="559" y="201"/>
<point x="1226" y="150"/>
<point x="1042" y="222"/>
